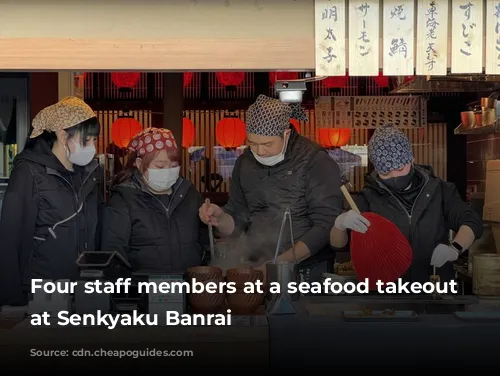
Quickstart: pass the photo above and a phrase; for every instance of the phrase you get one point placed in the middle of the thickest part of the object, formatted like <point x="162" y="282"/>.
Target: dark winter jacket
<point x="437" y="209"/>
<point x="49" y="216"/>
<point x="307" y="181"/>
<point x="155" y="232"/>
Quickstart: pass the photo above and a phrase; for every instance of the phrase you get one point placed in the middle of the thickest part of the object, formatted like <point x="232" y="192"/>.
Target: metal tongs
<point x="286" y="215"/>
<point x="211" y="237"/>
<point x="435" y="280"/>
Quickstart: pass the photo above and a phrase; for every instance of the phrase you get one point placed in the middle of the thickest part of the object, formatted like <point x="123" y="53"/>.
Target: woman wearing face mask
<point x="152" y="216"/>
<point x="51" y="207"/>
<point x="420" y="204"/>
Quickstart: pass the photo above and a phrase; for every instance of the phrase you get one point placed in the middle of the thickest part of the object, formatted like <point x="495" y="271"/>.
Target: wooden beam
<point x="230" y="54"/>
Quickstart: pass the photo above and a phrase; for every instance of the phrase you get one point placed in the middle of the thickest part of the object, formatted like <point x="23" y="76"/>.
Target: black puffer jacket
<point x="155" y="233"/>
<point x="49" y="216"/>
<point x="307" y="181"/>
<point x="438" y="208"/>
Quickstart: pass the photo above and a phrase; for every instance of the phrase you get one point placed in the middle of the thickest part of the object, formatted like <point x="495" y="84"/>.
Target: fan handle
<point x="349" y="199"/>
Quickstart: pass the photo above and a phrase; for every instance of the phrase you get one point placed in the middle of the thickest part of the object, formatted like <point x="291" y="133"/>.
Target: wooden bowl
<point x="205" y="274"/>
<point x="239" y="276"/>
<point x="244" y="304"/>
<point x="205" y="302"/>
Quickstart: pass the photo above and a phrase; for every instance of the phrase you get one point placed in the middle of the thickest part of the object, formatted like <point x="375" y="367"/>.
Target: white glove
<point x="353" y="221"/>
<point x="443" y="254"/>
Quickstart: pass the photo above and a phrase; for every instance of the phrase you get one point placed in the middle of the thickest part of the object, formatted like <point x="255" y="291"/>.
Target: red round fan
<point x="382" y="253"/>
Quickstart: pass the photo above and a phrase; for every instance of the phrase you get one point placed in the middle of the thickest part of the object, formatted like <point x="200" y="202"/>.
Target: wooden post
<point x="173" y="104"/>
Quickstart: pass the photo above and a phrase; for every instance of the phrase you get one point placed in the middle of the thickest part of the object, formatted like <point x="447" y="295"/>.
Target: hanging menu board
<point x="398" y="25"/>
<point x="330" y="16"/>
<point x="370" y="112"/>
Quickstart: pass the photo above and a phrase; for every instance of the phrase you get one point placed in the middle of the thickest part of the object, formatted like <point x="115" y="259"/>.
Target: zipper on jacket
<point x="166" y="208"/>
<point x="76" y="208"/>
<point x="77" y="199"/>
<point x="408" y="214"/>
<point x="167" y="211"/>
<point x="84" y="212"/>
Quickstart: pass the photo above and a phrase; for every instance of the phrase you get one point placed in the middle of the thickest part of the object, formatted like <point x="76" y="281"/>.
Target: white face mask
<point x="274" y="159"/>
<point x="162" y="179"/>
<point x="82" y="155"/>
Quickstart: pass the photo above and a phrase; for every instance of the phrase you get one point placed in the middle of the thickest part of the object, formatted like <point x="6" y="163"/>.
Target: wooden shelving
<point x="483" y="130"/>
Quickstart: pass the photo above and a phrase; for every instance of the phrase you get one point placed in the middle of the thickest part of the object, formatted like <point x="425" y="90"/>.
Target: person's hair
<point x="87" y="128"/>
<point x="129" y="168"/>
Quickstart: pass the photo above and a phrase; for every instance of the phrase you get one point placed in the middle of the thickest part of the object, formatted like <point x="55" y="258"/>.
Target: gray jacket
<point x="307" y="181"/>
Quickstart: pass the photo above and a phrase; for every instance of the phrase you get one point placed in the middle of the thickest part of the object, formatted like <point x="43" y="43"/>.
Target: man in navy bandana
<point x="423" y="206"/>
<point x="280" y="169"/>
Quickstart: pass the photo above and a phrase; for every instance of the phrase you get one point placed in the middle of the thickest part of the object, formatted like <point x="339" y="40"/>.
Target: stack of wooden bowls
<point x="206" y="302"/>
<point x="239" y="302"/>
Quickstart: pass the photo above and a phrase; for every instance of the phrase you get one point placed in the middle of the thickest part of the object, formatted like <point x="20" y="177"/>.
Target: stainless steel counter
<point x="317" y="338"/>
<point x="320" y="340"/>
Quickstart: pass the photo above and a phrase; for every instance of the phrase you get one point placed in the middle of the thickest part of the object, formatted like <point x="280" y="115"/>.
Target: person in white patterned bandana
<point x="280" y="169"/>
<point x="423" y="206"/>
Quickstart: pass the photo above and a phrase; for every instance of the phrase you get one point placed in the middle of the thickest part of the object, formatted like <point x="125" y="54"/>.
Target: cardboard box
<point x="491" y="209"/>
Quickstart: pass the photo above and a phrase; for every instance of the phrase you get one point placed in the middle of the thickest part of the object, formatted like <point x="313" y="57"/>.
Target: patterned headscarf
<point x="64" y="114"/>
<point x="389" y="149"/>
<point x="152" y="139"/>
<point x="271" y="117"/>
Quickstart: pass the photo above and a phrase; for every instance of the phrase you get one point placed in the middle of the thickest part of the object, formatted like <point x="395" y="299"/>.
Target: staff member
<point x="152" y="215"/>
<point x="280" y="169"/>
<point x="420" y="204"/>
<point x="51" y="208"/>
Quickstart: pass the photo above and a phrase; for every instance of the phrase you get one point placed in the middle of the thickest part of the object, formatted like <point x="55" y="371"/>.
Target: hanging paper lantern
<point x="335" y="82"/>
<point x="188" y="133"/>
<point x="125" y="80"/>
<point x="230" y="78"/>
<point x="230" y="132"/>
<point x="124" y="129"/>
<point x="188" y="77"/>
<point x="333" y="137"/>
<point x="381" y="80"/>
<point x="296" y="125"/>
<point x="282" y="76"/>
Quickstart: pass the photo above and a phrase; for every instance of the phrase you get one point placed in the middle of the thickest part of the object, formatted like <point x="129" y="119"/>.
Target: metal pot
<point x="283" y="272"/>
<point x="488" y="116"/>
<point x="488" y="102"/>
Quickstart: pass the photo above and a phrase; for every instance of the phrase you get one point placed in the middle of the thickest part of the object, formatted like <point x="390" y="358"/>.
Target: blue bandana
<point x="389" y="149"/>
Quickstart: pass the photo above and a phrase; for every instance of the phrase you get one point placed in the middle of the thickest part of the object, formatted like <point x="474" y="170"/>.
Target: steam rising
<point x="247" y="250"/>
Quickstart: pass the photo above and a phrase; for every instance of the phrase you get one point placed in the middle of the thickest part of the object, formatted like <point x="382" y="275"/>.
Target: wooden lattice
<point x="371" y="112"/>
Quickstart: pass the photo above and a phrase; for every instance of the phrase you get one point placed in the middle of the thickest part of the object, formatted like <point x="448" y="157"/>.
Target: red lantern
<point x="381" y="80"/>
<point x="333" y="137"/>
<point x="296" y="125"/>
<point x="282" y="76"/>
<point x="125" y="80"/>
<point x="230" y="132"/>
<point x="335" y="82"/>
<point x="124" y="129"/>
<point x="230" y="78"/>
<point x="188" y="77"/>
<point x="188" y="133"/>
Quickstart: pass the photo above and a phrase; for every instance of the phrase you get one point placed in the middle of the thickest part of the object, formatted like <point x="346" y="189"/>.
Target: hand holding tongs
<point x="286" y="215"/>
